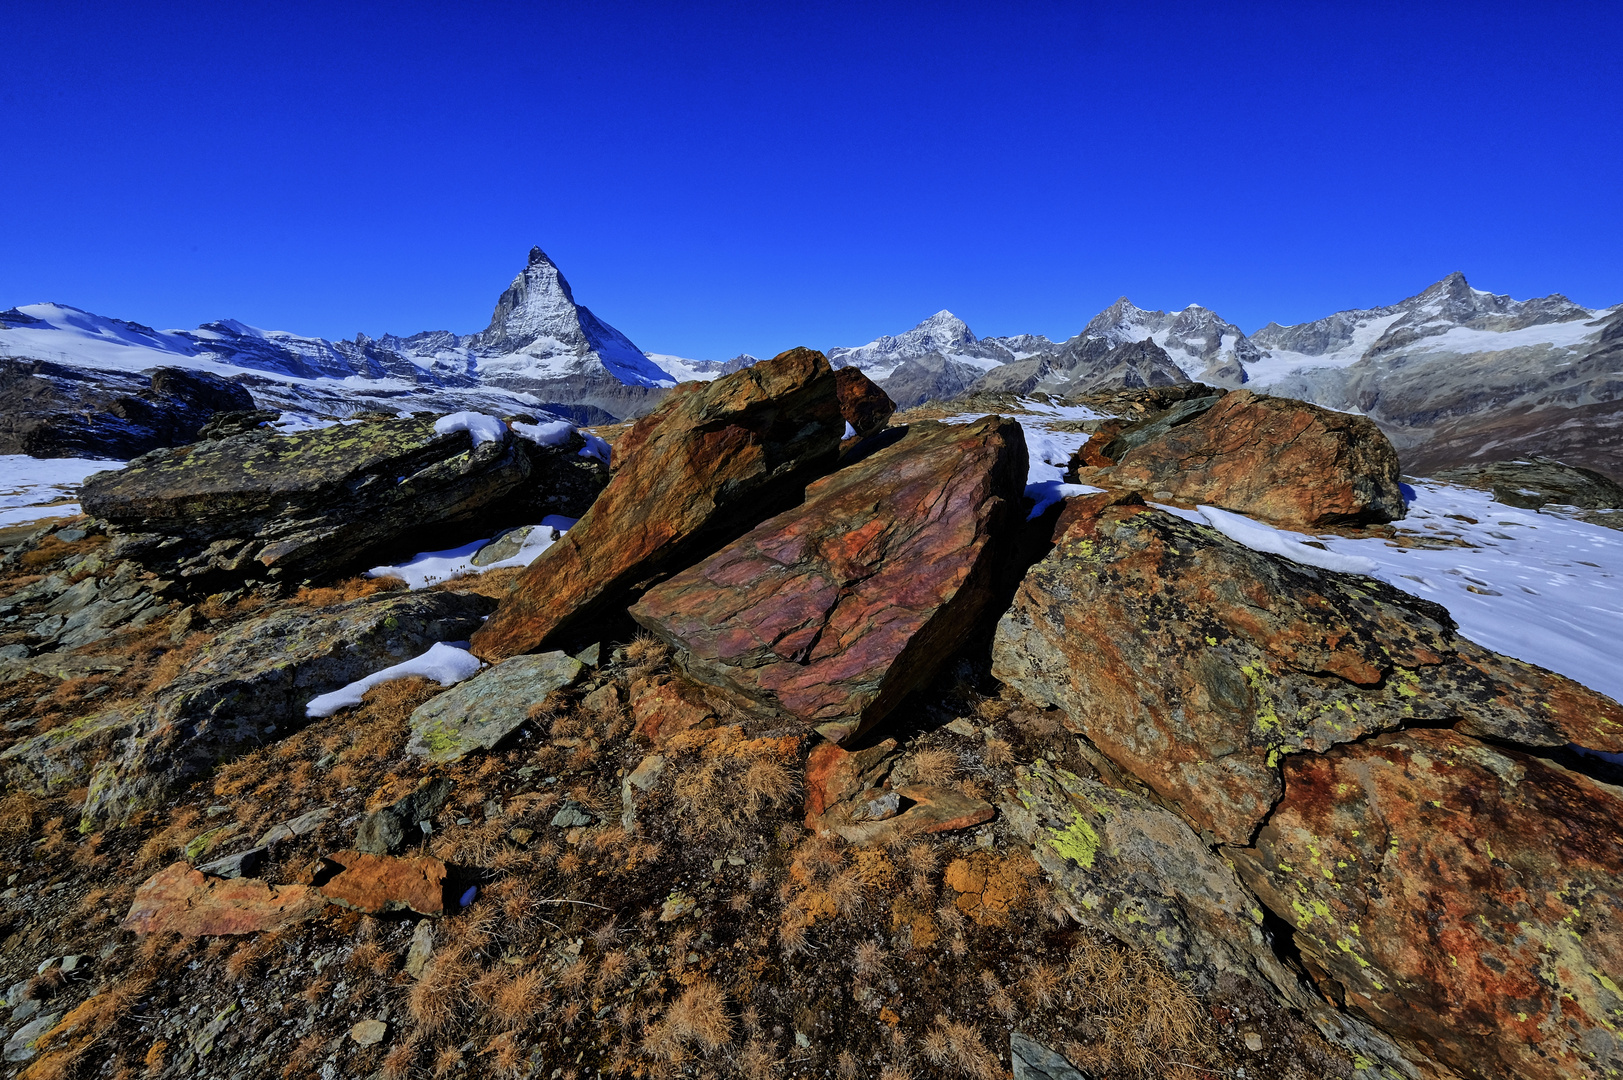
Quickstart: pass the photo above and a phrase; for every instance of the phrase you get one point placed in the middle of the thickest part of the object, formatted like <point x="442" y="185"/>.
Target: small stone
<point x="1253" y="1042"/>
<point x="216" y="811"/>
<point x="493" y="809"/>
<point x="1162" y="496"/>
<point x="242" y="864"/>
<point x="24" y="1010"/>
<point x="369" y="1032"/>
<point x="421" y="948"/>
<point x="70" y="536"/>
<point x="963" y="727"/>
<point x="1034" y="1061"/>
<point x="571" y="816"/>
<point x="71" y="963"/>
<point x="592" y="655"/>
<point x="877" y="806"/>
<point x="521" y="836"/>
<point x="636" y="786"/>
<point x="20" y="1047"/>
<point x="678" y="905"/>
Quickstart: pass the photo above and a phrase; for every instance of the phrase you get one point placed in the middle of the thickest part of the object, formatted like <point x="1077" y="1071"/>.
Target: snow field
<point x="35" y="489"/>
<point x="445" y="663"/>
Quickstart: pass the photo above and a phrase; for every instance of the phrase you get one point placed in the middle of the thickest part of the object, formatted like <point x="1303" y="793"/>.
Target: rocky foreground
<point x="809" y="751"/>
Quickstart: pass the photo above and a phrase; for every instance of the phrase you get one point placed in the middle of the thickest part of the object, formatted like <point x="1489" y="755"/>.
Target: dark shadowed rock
<point x="1295" y="465"/>
<point x="1196" y="664"/>
<point x="832" y="612"/>
<point x="315" y="503"/>
<point x="711" y="461"/>
<point x="863" y="404"/>
<point x="180" y="900"/>
<point x="1538" y="481"/>
<point x="253" y="684"/>
<point x="48" y="410"/>
<point x="386" y="831"/>
<point x="1463" y="897"/>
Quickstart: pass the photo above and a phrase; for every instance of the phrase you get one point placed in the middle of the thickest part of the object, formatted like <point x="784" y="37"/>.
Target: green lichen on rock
<point x="480" y="713"/>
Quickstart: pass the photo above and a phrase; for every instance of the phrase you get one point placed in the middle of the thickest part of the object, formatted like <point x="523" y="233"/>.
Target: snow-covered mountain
<point x="1206" y="347"/>
<point x="541" y="348"/>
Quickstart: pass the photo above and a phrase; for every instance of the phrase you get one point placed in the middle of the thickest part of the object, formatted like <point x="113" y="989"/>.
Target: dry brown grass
<point x="698" y="1016"/>
<point x="89" y="1022"/>
<point x="933" y="765"/>
<point x="344" y="591"/>
<point x="18" y="812"/>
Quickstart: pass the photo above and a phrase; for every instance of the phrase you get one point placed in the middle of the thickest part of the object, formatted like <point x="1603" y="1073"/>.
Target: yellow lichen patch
<point x="875" y="869"/>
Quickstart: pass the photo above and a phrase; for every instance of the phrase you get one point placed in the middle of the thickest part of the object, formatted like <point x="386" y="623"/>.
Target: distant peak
<point x="539" y="256"/>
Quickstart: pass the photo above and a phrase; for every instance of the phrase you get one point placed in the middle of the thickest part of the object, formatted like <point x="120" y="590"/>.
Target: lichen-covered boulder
<point x="480" y="713"/>
<point x="713" y="460"/>
<point x="250" y="686"/>
<point x="834" y="611"/>
<point x="315" y="503"/>
<point x="1466" y="898"/>
<point x="1287" y="462"/>
<point x="1197" y="664"/>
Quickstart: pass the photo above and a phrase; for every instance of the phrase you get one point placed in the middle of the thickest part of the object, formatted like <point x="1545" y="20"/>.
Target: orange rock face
<point x="1463" y="897"/>
<point x="180" y="900"/>
<point x="863" y="404"/>
<point x="1197" y="664"/>
<point x="380" y="883"/>
<point x="1295" y="465"/>
<point x="712" y="460"/>
<point x="833" y="611"/>
<point x="662" y="706"/>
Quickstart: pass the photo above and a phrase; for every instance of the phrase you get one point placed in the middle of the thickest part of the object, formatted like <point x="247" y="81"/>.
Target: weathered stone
<point x="848" y="795"/>
<point x="382" y="883"/>
<point x="1463" y="897"/>
<point x="636" y="786"/>
<point x="863" y="404"/>
<point x="712" y="460"/>
<point x="386" y="831"/>
<point x="302" y="825"/>
<point x="21" y="1045"/>
<point x="480" y="713"/>
<point x="1132" y="869"/>
<point x="1537" y="482"/>
<point x="180" y="900"/>
<point x="420" y="950"/>
<point x="834" y="611"/>
<point x="253" y="683"/>
<point x="50" y="410"/>
<point x="369" y="1032"/>
<point x="663" y="705"/>
<point x="242" y="864"/>
<point x="506" y="545"/>
<point x="572" y="816"/>
<point x="1031" y="1060"/>
<point x="315" y="503"/>
<point x="1287" y="462"/>
<point x="1195" y="664"/>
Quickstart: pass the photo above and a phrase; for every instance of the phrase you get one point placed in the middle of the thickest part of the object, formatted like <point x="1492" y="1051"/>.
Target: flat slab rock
<point x="1287" y="462"/>
<point x="1197" y="664"/>
<point x="382" y="883"/>
<point x="184" y="901"/>
<point x="712" y="460"/>
<point x="480" y="713"/>
<point x="833" y="611"/>
<point x="1464" y="897"/>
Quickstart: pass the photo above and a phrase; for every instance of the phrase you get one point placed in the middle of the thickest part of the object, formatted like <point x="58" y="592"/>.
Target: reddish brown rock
<point x="1467" y="899"/>
<point x="849" y="795"/>
<point x="863" y="404"/>
<point x="662" y="706"/>
<point x="832" y="612"/>
<point x="180" y="900"/>
<point x="712" y="460"/>
<point x="380" y="883"/>
<point x="1287" y="462"/>
<point x="1196" y="664"/>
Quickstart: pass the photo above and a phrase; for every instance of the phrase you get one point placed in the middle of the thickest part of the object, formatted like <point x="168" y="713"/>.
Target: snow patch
<point x="37" y="489"/>
<point x="432" y="567"/>
<point x="446" y="664"/>
<point x="1293" y="546"/>
<point x="480" y="427"/>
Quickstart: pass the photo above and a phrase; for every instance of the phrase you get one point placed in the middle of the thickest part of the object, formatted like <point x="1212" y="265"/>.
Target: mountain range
<point x="1453" y="374"/>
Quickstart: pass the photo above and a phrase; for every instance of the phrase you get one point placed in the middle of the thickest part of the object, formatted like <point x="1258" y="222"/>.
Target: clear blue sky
<point x="715" y="179"/>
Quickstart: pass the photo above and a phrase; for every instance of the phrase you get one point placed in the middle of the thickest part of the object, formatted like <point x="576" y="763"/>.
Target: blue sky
<point x="724" y="178"/>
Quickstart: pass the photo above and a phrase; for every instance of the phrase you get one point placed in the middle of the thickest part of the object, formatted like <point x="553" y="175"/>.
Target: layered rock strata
<point x="712" y="461"/>
<point x="832" y="612"/>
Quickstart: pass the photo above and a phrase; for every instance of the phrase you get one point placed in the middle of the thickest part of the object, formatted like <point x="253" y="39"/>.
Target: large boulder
<point x="316" y="503"/>
<point x="251" y="685"/>
<point x="1197" y="664"/>
<point x="1464" y="897"/>
<point x="1537" y="482"/>
<point x="863" y="404"/>
<point x="832" y="612"/>
<point x="1292" y="464"/>
<point x="712" y="461"/>
<point x="50" y="410"/>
